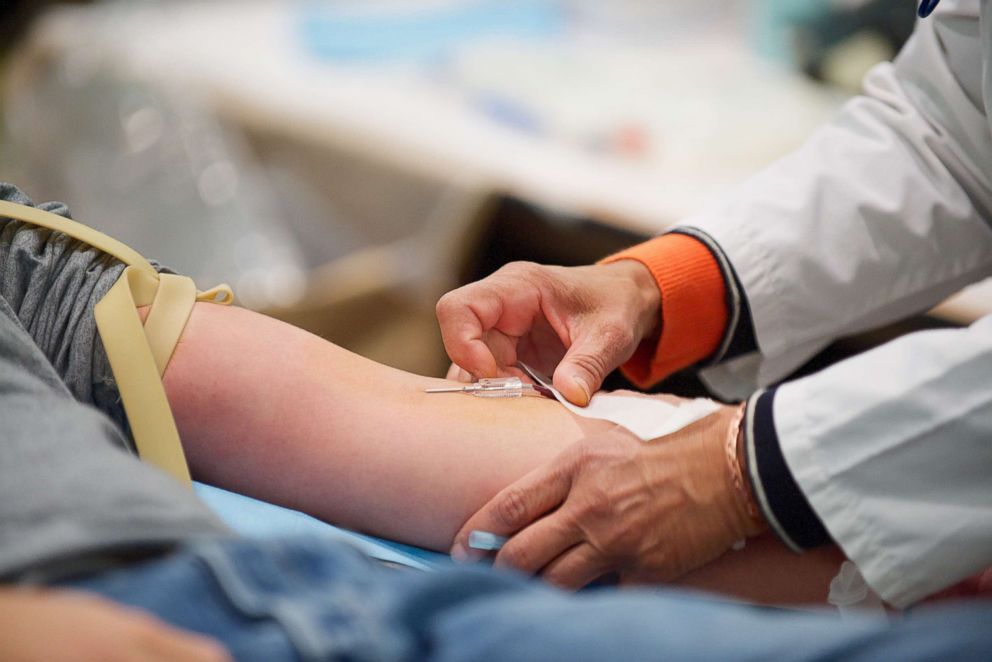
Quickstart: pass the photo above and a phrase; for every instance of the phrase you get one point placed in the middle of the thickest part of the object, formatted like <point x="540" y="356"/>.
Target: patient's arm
<point x="272" y="411"/>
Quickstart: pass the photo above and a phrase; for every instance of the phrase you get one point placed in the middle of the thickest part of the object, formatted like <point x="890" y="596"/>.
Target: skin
<point x="42" y="625"/>
<point x="611" y="504"/>
<point x="272" y="411"/>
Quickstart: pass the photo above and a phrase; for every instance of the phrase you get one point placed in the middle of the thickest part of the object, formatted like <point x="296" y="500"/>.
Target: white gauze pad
<point x="648" y="418"/>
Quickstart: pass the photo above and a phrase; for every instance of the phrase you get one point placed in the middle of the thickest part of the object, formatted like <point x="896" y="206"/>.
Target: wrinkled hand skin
<point x="613" y="504"/>
<point x="46" y="625"/>
<point x="577" y="323"/>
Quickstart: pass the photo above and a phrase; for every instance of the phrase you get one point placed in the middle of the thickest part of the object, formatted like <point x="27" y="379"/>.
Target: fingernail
<point x="486" y="540"/>
<point x="582" y="387"/>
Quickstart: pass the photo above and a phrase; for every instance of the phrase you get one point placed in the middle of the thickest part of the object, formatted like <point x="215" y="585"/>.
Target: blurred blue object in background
<point x="804" y="32"/>
<point x="392" y="31"/>
<point x="774" y="20"/>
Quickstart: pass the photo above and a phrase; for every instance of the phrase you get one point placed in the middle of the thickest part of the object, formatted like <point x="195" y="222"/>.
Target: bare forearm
<point x="272" y="411"/>
<point x="768" y="572"/>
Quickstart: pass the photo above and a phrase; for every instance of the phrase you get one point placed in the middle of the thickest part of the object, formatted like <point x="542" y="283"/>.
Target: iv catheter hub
<point x="495" y="387"/>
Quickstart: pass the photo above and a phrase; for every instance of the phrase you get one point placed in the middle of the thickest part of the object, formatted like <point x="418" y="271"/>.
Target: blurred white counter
<point x="702" y="109"/>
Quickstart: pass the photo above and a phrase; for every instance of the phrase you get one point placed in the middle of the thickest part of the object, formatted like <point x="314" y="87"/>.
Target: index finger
<point x="502" y="303"/>
<point x="464" y="315"/>
<point x="516" y="506"/>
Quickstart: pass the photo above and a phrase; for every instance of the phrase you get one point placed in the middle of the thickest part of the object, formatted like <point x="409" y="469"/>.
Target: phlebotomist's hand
<point x="660" y="306"/>
<point x="615" y="504"/>
<point x="578" y="322"/>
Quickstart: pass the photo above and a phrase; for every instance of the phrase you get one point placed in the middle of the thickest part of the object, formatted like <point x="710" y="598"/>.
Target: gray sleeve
<point x="52" y="283"/>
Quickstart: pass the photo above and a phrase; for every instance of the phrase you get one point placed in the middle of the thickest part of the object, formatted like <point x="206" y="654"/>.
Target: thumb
<point x="518" y="505"/>
<point x="588" y="361"/>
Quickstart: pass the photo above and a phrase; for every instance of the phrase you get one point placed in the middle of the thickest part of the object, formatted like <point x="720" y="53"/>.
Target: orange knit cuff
<point x="693" y="306"/>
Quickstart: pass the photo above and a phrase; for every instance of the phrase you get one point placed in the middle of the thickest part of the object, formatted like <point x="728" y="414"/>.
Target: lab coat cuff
<point x="783" y="504"/>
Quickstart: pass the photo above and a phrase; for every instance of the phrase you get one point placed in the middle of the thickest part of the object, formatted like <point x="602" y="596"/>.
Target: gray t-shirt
<point x="70" y="487"/>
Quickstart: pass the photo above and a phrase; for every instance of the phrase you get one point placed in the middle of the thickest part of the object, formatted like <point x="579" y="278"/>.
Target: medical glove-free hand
<point x="579" y="323"/>
<point x="648" y="512"/>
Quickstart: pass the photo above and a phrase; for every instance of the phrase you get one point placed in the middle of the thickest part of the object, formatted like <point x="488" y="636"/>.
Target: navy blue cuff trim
<point x="926" y="8"/>
<point x="782" y="494"/>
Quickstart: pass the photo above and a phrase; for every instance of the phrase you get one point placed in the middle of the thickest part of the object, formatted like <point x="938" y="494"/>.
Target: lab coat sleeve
<point x="879" y="215"/>
<point x="893" y="451"/>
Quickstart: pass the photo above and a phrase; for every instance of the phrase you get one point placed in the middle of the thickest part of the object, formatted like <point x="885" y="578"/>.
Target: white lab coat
<point x="881" y="214"/>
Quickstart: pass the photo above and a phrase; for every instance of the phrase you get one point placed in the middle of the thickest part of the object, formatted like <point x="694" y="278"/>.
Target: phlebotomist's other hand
<point x="648" y="512"/>
<point x="578" y="322"/>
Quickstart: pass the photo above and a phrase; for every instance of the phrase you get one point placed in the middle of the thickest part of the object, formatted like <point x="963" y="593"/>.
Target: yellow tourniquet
<point x="138" y="354"/>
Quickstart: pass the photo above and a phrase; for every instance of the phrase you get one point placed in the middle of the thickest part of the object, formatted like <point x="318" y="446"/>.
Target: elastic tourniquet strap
<point x="138" y="354"/>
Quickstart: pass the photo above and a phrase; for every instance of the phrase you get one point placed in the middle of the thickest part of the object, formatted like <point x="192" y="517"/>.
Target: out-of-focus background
<point x="342" y="163"/>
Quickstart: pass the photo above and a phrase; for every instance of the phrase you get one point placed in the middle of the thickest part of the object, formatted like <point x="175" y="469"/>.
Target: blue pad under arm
<point x="258" y="519"/>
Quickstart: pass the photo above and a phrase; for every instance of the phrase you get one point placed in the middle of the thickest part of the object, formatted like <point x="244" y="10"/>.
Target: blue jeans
<point x="313" y="599"/>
